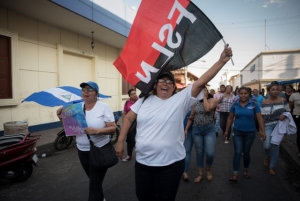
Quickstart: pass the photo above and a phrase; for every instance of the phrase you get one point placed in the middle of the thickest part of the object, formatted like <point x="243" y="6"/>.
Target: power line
<point x="297" y="17"/>
<point x="291" y="20"/>
<point x="260" y="70"/>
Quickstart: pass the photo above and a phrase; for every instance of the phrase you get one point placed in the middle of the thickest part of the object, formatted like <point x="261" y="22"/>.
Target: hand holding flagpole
<point x="230" y="57"/>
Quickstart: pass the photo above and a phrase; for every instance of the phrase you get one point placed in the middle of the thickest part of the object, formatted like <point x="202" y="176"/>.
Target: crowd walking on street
<point x="164" y="126"/>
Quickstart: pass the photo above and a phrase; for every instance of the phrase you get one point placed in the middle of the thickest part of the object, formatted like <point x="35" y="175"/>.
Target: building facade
<point x="269" y="66"/>
<point x="235" y="81"/>
<point x="48" y="45"/>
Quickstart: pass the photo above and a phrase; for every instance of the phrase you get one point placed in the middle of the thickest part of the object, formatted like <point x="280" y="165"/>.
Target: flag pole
<point x="230" y="57"/>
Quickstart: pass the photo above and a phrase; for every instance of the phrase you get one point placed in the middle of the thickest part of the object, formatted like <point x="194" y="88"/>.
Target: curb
<point x="47" y="150"/>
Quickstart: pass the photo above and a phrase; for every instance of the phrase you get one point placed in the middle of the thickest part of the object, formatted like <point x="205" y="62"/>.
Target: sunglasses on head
<point x="87" y="89"/>
<point x="165" y="81"/>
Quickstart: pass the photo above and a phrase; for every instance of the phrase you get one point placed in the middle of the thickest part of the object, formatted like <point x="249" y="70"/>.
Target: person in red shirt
<point x="131" y="136"/>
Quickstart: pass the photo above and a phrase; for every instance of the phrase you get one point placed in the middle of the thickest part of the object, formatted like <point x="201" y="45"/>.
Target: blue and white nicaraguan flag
<point x="58" y="96"/>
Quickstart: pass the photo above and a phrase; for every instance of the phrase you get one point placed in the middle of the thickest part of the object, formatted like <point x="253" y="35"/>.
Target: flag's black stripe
<point x="197" y="39"/>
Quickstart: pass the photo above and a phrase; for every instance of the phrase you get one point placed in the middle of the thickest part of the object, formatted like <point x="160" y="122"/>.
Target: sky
<point x="245" y="24"/>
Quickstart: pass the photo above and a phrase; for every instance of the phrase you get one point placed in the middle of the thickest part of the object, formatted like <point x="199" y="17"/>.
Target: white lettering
<point x="147" y="69"/>
<point x="183" y="12"/>
<point x="163" y="50"/>
<point x="169" y="39"/>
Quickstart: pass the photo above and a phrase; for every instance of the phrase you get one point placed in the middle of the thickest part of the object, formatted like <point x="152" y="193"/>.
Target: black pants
<point x="297" y="122"/>
<point x="96" y="177"/>
<point x="130" y="143"/>
<point x="158" y="183"/>
<point x="223" y="120"/>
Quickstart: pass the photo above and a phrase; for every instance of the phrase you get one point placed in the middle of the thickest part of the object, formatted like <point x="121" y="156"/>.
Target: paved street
<point x="61" y="178"/>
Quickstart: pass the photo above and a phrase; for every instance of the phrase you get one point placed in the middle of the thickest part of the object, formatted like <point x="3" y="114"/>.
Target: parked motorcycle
<point x="63" y="142"/>
<point x="17" y="156"/>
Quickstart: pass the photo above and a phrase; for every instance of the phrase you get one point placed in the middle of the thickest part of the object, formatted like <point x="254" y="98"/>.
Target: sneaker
<point x="226" y="141"/>
<point x="127" y="158"/>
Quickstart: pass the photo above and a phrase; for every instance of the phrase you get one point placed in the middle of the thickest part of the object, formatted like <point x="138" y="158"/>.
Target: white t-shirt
<point x="96" y="118"/>
<point x="160" y="131"/>
<point x="295" y="97"/>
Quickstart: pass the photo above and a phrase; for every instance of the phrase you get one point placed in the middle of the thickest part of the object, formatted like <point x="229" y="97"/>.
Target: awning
<point x="289" y="81"/>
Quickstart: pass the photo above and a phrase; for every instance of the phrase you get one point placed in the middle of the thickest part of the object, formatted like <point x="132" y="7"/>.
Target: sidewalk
<point x="45" y="143"/>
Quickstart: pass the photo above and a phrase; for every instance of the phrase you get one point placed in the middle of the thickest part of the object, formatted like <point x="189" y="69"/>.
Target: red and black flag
<point x="166" y="35"/>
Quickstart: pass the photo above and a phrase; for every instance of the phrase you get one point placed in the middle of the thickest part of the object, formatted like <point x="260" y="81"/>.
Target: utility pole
<point x="265" y="34"/>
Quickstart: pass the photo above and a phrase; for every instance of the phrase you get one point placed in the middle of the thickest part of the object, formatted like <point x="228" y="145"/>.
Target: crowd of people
<point x="242" y="114"/>
<point x="164" y="126"/>
<point x="245" y="113"/>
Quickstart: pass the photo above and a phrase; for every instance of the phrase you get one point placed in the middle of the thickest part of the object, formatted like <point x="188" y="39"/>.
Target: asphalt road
<point x="61" y="178"/>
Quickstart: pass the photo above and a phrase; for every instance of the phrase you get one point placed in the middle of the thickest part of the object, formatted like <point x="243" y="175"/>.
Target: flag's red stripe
<point x="151" y="16"/>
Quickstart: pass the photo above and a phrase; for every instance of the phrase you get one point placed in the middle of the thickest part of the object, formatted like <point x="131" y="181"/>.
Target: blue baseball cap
<point x="94" y="85"/>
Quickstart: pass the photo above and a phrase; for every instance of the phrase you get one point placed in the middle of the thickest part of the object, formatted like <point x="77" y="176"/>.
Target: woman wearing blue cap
<point x="160" y="152"/>
<point x="101" y="123"/>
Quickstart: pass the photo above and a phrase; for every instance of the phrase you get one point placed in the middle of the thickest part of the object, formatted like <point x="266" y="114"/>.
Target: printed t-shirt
<point x="244" y="116"/>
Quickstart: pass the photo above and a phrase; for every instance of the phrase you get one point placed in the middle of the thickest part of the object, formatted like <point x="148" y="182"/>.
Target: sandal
<point x="234" y="178"/>
<point x="208" y="174"/>
<point x="246" y="174"/>
<point x="272" y="172"/>
<point x="267" y="162"/>
<point x="198" y="179"/>
<point x="185" y="176"/>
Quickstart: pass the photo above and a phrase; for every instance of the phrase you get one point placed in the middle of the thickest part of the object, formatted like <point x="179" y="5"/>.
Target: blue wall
<point x="41" y="127"/>
<point x="97" y="14"/>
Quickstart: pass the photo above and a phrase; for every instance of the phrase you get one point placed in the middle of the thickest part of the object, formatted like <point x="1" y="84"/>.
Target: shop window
<point x="5" y="68"/>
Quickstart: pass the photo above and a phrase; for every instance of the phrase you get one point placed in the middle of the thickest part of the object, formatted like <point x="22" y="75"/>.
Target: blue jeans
<point x="204" y="138"/>
<point x="242" y="142"/>
<point x="217" y="125"/>
<point x="188" y="144"/>
<point x="271" y="150"/>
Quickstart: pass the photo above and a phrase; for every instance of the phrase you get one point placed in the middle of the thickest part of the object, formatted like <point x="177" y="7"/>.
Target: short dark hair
<point x="129" y="91"/>
<point x="229" y="86"/>
<point x="245" y="88"/>
<point x="272" y="84"/>
<point x="222" y="85"/>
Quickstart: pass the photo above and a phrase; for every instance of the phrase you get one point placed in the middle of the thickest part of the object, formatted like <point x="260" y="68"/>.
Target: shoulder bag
<point x="102" y="157"/>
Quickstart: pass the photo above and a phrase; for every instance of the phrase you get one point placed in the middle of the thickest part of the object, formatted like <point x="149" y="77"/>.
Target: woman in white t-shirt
<point x="159" y="138"/>
<point x="101" y="123"/>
